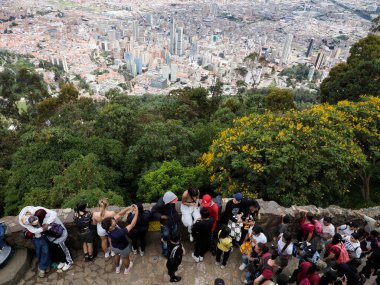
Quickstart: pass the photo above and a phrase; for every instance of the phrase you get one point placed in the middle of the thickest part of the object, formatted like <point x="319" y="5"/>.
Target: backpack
<point x="318" y="227"/>
<point x="343" y="256"/>
<point x="83" y="222"/>
<point x="218" y="201"/>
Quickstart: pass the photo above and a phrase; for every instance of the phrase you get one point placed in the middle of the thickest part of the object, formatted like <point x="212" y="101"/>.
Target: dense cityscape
<point x="157" y="47"/>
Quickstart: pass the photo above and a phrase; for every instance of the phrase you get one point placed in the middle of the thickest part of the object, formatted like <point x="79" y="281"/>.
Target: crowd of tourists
<point x="326" y="253"/>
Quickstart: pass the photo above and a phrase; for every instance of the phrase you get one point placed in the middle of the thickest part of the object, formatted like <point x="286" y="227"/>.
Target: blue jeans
<point x="42" y="252"/>
<point x="166" y="232"/>
<point x="3" y="228"/>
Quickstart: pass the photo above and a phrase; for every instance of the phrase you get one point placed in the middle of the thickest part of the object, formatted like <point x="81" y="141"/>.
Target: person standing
<point x="83" y="221"/>
<point x="164" y="211"/>
<point x="202" y="231"/>
<point x="213" y="209"/>
<point x="118" y="238"/>
<point x="56" y="234"/>
<point x="138" y="233"/>
<point x="176" y="251"/>
<point x="190" y="209"/>
<point x="224" y="246"/>
<point x="98" y="217"/>
<point x="39" y="240"/>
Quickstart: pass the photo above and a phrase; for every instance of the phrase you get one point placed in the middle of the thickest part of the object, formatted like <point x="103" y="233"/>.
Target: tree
<point x="365" y="49"/>
<point x="171" y="176"/>
<point x="68" y="93"/>
<point x="293" y="158"/>
<point x="279" y="100"/>
<point x="364" y="120"/>
<point x="359" y="76"/>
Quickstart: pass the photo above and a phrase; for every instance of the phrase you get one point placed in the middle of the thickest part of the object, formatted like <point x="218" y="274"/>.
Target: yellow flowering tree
<point x="296" y="157"/>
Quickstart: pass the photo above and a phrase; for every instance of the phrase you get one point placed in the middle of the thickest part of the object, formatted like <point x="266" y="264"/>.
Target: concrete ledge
<point x="16" y="267"/>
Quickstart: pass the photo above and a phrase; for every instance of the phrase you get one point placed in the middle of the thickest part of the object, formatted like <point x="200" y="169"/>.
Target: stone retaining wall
<point x="271" y="214"/>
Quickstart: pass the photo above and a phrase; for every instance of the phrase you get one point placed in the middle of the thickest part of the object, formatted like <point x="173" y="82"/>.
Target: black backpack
<point x="83" y="222"/>
<point x="218" y="201"/>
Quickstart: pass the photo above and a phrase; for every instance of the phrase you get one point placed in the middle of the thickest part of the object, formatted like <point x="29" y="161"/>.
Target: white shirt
<point x="280" y="246"/>
<point x="330" y="229"/>
<point x="344" y="230"/>
<point x="255" y="239"/>
<point x="23" y="219"/>
<point x="352" y="247"/>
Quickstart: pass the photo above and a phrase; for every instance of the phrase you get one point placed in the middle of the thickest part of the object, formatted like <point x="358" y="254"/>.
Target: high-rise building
<point x="173" y="33"/>
<point x="173" y="72"/>
<point x="320" y="59"/>
<point x="214" y="10"/>
<point x="135" y="27"/>
<point x="310" y="47"/>
<point x="194" y="51"/>
<point x="150" y="19"/>
<point x="179" y="44"/>
<point x="287" y="49"/>
<point x="311" y="73"/>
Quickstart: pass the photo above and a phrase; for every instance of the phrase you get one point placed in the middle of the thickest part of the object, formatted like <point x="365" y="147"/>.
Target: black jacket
<point x="169" y="210"/>
<point x="202" y="230"/>
<point x="233" y="209"/>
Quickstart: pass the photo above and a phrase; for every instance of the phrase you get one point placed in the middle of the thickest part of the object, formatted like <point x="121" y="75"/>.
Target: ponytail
<point x="103" y="204"/>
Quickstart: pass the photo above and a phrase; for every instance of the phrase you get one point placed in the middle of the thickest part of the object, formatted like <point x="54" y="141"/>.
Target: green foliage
<point x="171" y="176"/>
<point x="279" y="100"/>
<point x="359" y="76"/>
<point x="92" y="196"/>
<point x="294" y="158"/>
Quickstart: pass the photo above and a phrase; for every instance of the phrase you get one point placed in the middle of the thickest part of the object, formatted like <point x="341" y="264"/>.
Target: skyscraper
<point x="286" y="50"/>
<point x="173" y="37"/>
<point x="135" y="26"/>
<point x="310" y="47"/>
<point x="179" y="44"/>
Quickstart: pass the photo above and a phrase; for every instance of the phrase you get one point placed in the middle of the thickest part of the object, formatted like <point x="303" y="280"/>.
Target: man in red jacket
<point x="214" y="212"/>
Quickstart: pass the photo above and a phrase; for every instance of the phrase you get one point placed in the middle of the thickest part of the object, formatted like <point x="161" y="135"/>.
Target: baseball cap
<point x="238" y="196"/>
<point x="206" y="200"/>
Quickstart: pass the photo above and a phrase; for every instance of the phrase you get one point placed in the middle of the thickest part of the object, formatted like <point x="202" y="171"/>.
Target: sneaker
<point x="112" y="253"/>
<point x="107" y="253"/>
<point x="127" y="270"/>
<point x="194" y="257"/>
<point x="41" y="273"/>
<point x="66" y="267"/>
<point x="141" y="252"/>
<point x="134" y="250"/>
<point x="86" y="257"/>
<point x="191" y="238"/>
<point x="118" y="269"/>
<point x="222" y="266"/>
<point x="175" y="279"/>
<point x="90" y="258"/>
<point x="246" y="281"/>
<point x="60" y="265"/>
<point x="47" y="270"/>
<point x="200" y="258"/>
<point x="242" y="266"/>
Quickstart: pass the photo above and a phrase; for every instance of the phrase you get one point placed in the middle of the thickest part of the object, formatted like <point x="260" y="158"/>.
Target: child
<point x="83" y="221"/>
<point x="176" y="250"/>
<point x="224" y="246"/>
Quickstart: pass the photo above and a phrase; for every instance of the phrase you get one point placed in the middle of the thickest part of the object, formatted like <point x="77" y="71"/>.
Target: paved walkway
<point x="147" y="270"/>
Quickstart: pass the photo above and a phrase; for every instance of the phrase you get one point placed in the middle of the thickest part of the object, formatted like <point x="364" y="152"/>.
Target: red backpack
<point x="343" y="256"/>
<point x="318" y="227"/>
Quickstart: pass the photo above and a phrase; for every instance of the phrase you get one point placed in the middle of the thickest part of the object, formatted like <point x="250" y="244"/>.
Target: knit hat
<point x="170" y="197"/>
<point x="206" y="201"/>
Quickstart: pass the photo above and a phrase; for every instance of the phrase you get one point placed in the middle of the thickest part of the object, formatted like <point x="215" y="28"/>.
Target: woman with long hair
<point x="98" y="217"/>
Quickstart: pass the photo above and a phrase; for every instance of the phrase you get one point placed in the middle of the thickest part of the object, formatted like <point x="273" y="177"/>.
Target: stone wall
<point x="271" y="214"/>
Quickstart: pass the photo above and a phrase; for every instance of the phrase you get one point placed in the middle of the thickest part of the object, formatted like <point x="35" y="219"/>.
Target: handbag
<point x="246" y="248"/>
<point x="55" y="230"/>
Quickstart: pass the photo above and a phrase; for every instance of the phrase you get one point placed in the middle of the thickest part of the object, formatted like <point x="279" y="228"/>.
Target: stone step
<point x="15" y="268"/>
